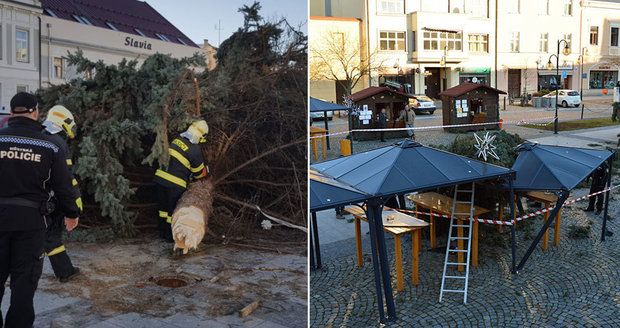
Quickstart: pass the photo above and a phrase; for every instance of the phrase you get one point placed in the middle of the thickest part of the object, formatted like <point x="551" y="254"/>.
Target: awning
<point x="407" y="167"/>
<point x="326" y="192"/>
<point x="544" y="167"/>
<point x="430" y="29"/>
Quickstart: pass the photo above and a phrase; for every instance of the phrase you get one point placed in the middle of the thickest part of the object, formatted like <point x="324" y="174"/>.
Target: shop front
<point x="603" y="76"/>
<point x="549" y="80"/>
<point x="480" y="75"/>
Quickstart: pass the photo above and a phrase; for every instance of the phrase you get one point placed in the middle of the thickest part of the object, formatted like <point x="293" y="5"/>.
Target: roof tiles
<point x="125" y="15"/>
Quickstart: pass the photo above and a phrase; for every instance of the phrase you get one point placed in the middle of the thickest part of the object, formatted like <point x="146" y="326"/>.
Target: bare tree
<point x="341" y="57"/>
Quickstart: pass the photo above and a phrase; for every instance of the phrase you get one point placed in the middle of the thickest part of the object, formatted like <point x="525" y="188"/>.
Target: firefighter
<point x="186" y="163"/>
<point x="60" y="126"/>
<point x="31" y="164"/>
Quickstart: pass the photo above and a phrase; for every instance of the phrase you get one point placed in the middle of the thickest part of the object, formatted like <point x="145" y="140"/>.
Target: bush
<point x="504" y="142"/>
<point x="543" y="92"/>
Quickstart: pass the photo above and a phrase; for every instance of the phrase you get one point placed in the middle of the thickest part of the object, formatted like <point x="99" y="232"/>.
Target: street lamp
<point x="566" y="52"/>
<point x="583" y="52"/>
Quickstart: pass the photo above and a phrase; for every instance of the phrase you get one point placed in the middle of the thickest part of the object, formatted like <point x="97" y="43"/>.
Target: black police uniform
<point x="186" y="162"/>
<point x="54" y="247"/>
<point x="30" y="164"/>
<point x="599" y="179"/>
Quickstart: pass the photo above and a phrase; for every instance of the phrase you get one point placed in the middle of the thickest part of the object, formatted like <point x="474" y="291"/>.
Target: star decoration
<point x="485" y="146"/>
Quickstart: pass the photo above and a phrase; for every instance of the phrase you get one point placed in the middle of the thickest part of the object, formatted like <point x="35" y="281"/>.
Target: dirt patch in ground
<point x="221" y="280"/>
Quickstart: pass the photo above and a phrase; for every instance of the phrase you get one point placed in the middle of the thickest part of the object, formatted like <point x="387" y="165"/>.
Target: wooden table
<point x="397" y="224"/>
<point x="441" y="204"/>
<point x="318" y="133"/>
<point x="547" y="198"/>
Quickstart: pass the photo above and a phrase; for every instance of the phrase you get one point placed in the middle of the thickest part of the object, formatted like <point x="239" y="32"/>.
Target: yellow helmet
<point x="198" y="131"/>
<point x="61" y="118"/>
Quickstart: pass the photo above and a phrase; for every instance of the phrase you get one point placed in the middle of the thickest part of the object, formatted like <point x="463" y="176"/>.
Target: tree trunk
<point x="191" y="216"/>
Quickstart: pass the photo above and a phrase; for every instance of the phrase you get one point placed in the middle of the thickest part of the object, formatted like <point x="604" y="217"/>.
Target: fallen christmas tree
<point x="255" y="103"/>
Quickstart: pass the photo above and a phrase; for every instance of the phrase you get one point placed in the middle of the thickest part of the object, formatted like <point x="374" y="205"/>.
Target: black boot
<point x="73" y="274"/>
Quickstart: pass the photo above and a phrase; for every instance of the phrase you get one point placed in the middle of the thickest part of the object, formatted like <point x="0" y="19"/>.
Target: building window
<point x="392" y="41"/>
<point x="514" y="6"/>
<point x="594" y="35"/>
<point x="543" y="44"/>
<point x="181" y="40"/>
<point x="162" y="37"/>
<point x="614" y="37"/>
<point x="479" y="43"/>
<point x="568" y="7"/>
<point x="139" y="32"/>
<point x="478" y="8"/>
<point x="603" y="79"/>
<point x="457" y="6"/>
<point x="22" y="45"/>
<point x="59" y="67"/>
<point x="413" y="46"/>
<point x="569" y="39"/>
<point x="391" y="6"/>
<point x="543" y="7"/>
<point x="435" y="40"/>
<point x="514" y="41"/>
<point x="50" y="12"/>
<point x="110" y="25"/>
<point x="82" y="19"/>
<point x="21" y="88"/>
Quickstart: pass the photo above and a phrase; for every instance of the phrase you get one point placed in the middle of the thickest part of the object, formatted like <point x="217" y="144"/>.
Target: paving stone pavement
<point x="576" y="284"/>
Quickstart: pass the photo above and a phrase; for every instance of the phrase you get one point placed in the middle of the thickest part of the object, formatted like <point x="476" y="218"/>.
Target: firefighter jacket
<point x="186" y="162"/>
<point x="30" y="165"/>
<point x="59" y="140"/>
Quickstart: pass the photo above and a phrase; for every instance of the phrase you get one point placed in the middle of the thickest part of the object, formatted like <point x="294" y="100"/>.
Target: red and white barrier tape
<point x="521" y="218"/>
<point x="521" y="122"/>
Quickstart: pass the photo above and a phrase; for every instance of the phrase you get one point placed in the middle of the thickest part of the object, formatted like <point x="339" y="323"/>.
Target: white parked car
<point x="566" y="98"/>
<point x="422" y="103"/>
<point x="319" y="115"/>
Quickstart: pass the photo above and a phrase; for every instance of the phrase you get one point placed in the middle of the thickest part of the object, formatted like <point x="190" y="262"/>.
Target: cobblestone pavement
<point x="576" y="284"/>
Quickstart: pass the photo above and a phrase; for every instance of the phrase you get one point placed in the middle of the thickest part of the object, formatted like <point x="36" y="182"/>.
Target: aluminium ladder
<point x="453" y="275"/>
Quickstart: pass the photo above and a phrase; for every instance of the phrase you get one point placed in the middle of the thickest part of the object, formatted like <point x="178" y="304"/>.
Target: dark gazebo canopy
<point x="326" y="192"/>
<point x="544" y="167"/>
<point x="405" y="167"/>
<point x="318" y="105"/>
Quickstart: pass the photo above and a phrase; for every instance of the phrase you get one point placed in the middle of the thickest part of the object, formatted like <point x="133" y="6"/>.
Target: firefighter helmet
<point x="197" y="132"/>
<point x="59" y="119"/>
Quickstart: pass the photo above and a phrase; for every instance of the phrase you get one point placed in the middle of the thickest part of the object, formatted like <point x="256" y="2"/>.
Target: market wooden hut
<point x="470" y="103"/>
<point x="374" y="99"/>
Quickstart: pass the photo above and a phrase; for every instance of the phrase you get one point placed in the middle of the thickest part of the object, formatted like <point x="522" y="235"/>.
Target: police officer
<point x="599" y="179"/>
<point x="30" y="164"/>
<point x="186" y="162"/>
<point x="60" y="126"/>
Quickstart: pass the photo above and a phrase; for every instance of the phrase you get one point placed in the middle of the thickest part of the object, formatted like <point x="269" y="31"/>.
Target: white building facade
<point x="19" y="48"/>
<point x="507" y="44"/>
<point x="37" y="36"/>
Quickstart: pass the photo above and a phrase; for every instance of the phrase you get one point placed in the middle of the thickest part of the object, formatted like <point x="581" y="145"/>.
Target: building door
<point x="514" y="83"/>
<point x="432" y="82"/>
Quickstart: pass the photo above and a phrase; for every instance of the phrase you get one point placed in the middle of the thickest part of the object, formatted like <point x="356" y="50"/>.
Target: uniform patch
<point x="180" y="144"/>
<point x="22" y="154"/>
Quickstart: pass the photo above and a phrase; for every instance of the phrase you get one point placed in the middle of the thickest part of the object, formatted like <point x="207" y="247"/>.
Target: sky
<point x="199" y="19"/>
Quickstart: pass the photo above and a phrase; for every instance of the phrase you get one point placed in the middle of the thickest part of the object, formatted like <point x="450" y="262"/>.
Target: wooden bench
<point x="401" y="224"/>
<point x="547" y="198"/>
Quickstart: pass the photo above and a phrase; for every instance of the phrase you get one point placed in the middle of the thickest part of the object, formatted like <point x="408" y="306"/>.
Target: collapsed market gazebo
<point x="402" y="168"/>
<point x="559" y="169"/>
<point x="325" y="193"/>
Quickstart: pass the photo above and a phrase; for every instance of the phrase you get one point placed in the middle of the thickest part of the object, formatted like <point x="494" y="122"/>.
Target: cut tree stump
<point x="191" y="216"/>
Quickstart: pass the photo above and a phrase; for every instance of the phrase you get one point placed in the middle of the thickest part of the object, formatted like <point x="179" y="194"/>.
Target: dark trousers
<point x="21" y="258"/>
<point x="599" y="199"/>
<point x="167" y="199"/>
<point x="55" y="249"/>
<point x="382" y="135"/>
